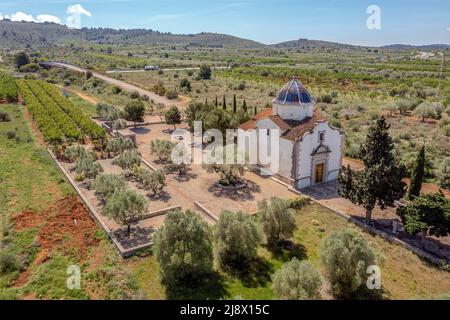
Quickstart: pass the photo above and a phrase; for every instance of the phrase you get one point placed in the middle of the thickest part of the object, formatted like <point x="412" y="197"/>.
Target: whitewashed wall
<point x="333" y="140"/>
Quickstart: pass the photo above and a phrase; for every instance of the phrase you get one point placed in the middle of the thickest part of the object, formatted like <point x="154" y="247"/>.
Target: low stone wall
<point x="93" y="212"/>
<point x="158" y="213"/>
<point x="421" y="253"/>
<point x="205" y="210"/>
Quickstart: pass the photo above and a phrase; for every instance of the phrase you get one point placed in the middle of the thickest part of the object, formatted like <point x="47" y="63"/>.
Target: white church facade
<point x="310" y="150"/>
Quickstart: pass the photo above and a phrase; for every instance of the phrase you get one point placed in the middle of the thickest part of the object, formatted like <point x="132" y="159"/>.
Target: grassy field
<point x="404" y="275"/>
<point x="38" y="209"/>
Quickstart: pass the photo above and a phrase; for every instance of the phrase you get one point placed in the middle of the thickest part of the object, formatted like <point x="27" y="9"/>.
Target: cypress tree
<point x="417" y="174"/>
<point x="381" y="182"/>
<point x="206" y="101"/>
<point x="216" y="102"/>
<point x="255" y="111"/>
<point x="224" y="104"/>
<point x="234" y="104"/>
<point x="244" y="106"/>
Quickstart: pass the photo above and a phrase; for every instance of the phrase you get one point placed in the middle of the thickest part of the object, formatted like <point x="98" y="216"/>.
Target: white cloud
<point x="78" y="9"/>
<point x="48" y="18"/>
<point x="21" y="16"/>
<point x="75" y="12"/>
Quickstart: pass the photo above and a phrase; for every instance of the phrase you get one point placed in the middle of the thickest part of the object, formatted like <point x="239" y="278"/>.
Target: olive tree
<point x="106" y="184"/>
<point x="154" y="181"/>
<point x="128" y="159"/>
<point x="72" y="153"/>
<point x="230" y="174"/>
<point x="87" y="167"/>
<point x="426" y="110"/>
<point x="277" y="219"/>
<point x="162" y="149"/>
<point x="119" y="145"/>
<point x="125" y="207"/>
<point x="346" y="255"/>
<point x="108" y="112"/>
<point x="237" y="239"/>
<point x="297" y="281"/>
<point x="183" y="247"/>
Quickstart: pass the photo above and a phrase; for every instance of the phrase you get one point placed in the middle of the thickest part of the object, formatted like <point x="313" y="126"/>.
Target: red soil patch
<point x="65" y="226"/>
<point x="69" y="228"/>
<point x="27" y="219"/>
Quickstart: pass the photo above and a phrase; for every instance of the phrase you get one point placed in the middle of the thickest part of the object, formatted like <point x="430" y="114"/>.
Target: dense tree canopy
<point x="125" y="207"/>
<point x="134" y="111"/>
<point x="417" y="174"/>
<point x="205" y="72"/>
<point x="173" y="116"/>
<point x="237" y="239"/>
<point x="428" y="213"/>
<point x="346" y="256"/>
<point x="183" y="246"/>
<point x="278" y="220"/>
<point x="381" y="182"/>
<point x="297" y="281"/>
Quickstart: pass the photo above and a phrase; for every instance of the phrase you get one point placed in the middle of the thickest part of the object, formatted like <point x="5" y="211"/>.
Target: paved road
<point x="122" y="84"/>
<point x="165" y="69"/>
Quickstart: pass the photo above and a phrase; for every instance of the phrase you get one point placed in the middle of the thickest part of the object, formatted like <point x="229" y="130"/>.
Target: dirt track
<point x="119" y="83"/>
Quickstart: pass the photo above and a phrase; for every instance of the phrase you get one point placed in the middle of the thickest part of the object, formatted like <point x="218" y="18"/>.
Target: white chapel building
<point x="311" y="150"/>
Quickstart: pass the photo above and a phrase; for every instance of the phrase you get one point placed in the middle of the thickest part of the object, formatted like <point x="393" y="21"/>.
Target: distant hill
<point x="26" y="34"/>
<point x="18" y="35"/>
<point x="306" y="44"/>
<point x="424" y="47"/>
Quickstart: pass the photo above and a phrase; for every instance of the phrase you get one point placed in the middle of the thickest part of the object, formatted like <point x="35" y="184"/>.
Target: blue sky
<point x="267" y="21"/>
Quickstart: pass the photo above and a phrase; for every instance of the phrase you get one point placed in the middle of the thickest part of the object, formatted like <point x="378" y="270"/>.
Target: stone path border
<point x="421" y="253"/>
<point x="125" y="253"/>
<point x="205" y="210"/>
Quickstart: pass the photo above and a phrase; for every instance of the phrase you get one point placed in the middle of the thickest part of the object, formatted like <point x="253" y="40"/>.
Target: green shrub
<point x="297" y="281"/>
<point x="237" y="239"/>
<point x="346" y="256"/>
<point x="10" y="134"/>
<point x="4" y="116"/>
<point x="299" y="202"/>
<point x="8" y="262"/>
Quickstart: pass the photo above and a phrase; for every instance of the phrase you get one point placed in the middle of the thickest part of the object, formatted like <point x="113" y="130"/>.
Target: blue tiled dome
<point x="293" y="93"/>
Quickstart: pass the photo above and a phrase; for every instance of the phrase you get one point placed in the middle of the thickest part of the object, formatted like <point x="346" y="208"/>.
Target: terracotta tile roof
<point x="294" y="129"/>
<point x="251" y="124"/>
<point x="280" y="122"/>
<point x="301" y="127"/>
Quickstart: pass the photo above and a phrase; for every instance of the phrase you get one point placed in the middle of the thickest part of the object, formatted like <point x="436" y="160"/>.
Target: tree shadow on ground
<point x="245" y="194"/>
<point x="256" y="273"/>
<point x="163" y="196"/>
<point x="287" y="250"/>
<point x="209" y="287"/>
<point x="140" y="130"/>
<point x="184" y="177"/>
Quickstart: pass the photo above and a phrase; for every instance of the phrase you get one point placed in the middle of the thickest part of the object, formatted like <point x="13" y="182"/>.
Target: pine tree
<point x="244" y="106"/>
<point x="224" y="104"/>
<point x="381" y="182"/>
<point x="234" y="104"/>
<point x="417" y="174"/>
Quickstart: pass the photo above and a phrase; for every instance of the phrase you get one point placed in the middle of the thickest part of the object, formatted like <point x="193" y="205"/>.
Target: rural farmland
<point x="142" y="165"/>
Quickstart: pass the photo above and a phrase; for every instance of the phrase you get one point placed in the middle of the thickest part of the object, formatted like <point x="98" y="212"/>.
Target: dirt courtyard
<point x="198" y="185"/>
